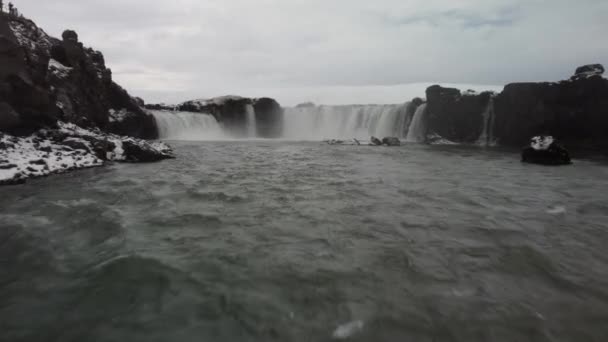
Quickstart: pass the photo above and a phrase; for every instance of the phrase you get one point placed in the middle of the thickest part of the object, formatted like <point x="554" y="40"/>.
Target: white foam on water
<point x="347" y="330"/>
<point x="557" y="210"/>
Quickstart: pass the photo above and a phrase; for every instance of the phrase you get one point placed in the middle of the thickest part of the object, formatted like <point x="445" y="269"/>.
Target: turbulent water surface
<point x="277" y="241"/>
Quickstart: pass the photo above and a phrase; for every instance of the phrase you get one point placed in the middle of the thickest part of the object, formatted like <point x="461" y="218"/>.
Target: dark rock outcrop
<point x="69" y="147"/>
<point x="43" y="79"/>
<point x="545" y="151"/>
<point x="575" y="112"/>
<point x="268" y="117"/>
<point x="391" y="141"/>
<point x="589" y="70"/>
<point x="456" y="116"/>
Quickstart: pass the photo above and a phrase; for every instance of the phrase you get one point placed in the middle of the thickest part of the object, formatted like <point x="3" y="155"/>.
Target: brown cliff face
<point x="43" y="79"/>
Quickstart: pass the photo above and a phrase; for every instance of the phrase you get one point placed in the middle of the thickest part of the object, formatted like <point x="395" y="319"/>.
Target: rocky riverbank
<point x="69" y="147"/>
<point x="60" y="110"/>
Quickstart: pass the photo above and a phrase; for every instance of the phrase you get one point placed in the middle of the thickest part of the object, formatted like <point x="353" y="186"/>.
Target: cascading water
<point x="417" y="130"/>
<point x="487" y="134"/>
<point x="187" y="126"/>
<point x="345" y="122"/>
<point x="251" y="124"/>
<point x="302" y="123"/>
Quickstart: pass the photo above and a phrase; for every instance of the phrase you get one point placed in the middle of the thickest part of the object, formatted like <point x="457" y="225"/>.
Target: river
<point x="301" y="241"/>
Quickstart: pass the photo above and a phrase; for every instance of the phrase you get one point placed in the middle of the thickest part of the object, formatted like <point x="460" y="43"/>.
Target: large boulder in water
<point x="375" y="141"/>
<point x="546" y="151"/>
<point x="391" y="141"/>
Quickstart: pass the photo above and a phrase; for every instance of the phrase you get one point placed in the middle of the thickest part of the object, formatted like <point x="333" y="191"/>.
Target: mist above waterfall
<point x="345" y="122"/>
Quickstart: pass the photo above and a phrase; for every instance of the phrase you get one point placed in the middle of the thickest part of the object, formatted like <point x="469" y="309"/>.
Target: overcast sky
<point x="329" y="51"/>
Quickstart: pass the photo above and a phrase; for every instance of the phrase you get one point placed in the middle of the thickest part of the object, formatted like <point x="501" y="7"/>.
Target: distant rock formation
<point x="587" y="71"/>
<point x="43" y="79"/>
<point x="456" y="116"/>
<point x="574" y="111"/>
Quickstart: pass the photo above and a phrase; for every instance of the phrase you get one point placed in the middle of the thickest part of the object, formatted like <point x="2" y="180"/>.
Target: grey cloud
<point x="172" y="50"/>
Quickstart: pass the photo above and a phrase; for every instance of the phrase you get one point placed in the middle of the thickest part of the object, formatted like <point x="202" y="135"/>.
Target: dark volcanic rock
<point x="391" y="141"/>
<point x="544" y="150"/>
<point x="589" y="70"/>
<point x="572" y="111"/>
<point x="455" y="116"/>
<point x="269" y="117"/>
<point x="43" y="79"/>
<point x="70" y="147"/>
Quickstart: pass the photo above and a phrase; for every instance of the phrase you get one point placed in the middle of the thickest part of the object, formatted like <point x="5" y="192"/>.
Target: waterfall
<point x="345" y="122"/>
<point x="487" y="133"/>
<point x="417" y="130"/>
<point x="251" y="124"/>
<point x="187" y="126"/>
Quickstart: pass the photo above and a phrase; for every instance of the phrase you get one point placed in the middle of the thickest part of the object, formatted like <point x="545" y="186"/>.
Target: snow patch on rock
<point x="541" y="143"/>
<point x="59" y="69"/>
<point x="70" y="147"/>
<point x="31" y="37"/>
<point x="217" y="101"/>
<point x="118" y="115"/>
<point x="436" y="139"/>
<point x="34" y="156"/>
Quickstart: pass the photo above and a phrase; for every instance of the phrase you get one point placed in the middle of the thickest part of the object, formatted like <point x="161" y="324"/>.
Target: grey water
<point x="288" y="241"/>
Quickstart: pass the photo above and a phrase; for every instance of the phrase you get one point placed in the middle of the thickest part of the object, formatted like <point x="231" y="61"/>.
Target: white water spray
<point x="187" y="126"/>
<point x="487" y="134"/>
<point x="345" y="122"/>
<point x="251" y="124"/>
<point x="417" y="130"/>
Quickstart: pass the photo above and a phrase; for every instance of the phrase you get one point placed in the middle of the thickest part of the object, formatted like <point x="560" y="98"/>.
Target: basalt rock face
<point x="44" y="79"/>
<point x="575" y="112"/>
<point x="269" y="117"/>
<point x="25" y="102"/>
<point x="456" y="116"/>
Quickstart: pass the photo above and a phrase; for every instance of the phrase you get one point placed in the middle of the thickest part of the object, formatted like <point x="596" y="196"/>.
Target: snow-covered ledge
<point x="67" y="148"/>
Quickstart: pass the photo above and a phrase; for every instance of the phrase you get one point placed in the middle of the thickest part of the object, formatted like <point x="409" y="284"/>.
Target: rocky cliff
<point x="574" y="111"/>
<point x="44" y="79"/>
